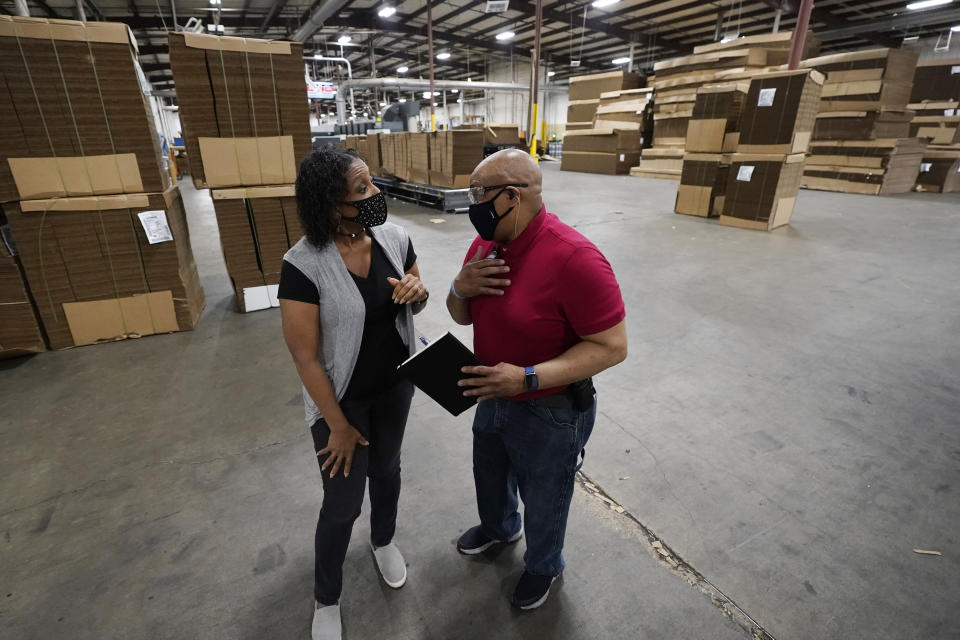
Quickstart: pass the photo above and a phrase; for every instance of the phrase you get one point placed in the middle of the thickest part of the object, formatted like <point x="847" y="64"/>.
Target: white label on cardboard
<point x="155" y="226"/>
<point x="273" y="293"/>
<point x="256" y="298"/>
<point x="745" y="173"/>
<point x="954" y="70"/>
<point x="925" y="167"/>
<point x="766" y="97"/>
<point x="623" y="157"/>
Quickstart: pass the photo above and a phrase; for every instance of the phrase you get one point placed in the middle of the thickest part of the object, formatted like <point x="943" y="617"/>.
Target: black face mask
<point x="373" y="211"/>
<point x="484" y="216"/>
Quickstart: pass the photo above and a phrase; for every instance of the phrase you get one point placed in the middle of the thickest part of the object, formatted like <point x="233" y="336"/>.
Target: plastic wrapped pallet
<point x="703" y="183"/>
<point x="243" y="100"/>
<point x="761" y="190"/>
<point x="72" y="106"/>
<point x="104" y="268"/>
<point x="257" y="227"/>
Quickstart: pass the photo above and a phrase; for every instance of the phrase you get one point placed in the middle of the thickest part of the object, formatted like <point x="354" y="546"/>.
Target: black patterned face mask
<point x="373" y="211"/>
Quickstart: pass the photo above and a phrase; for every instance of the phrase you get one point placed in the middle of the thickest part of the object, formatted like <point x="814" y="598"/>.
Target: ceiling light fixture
<point x="550" y="74"/>
<point x="426" y="94"/>
<point x="403" y="69"/>
<point x="955" y="28"/>
<point x="926" y="4"/>
<point x="909" y="38"/>
<point x="386" y="12"/>
<point x="505" y="35"/>
<point x="600" y="4"/>
<point x="443" y="56"/>
<point x="344" y="39"/>
<point x="402" y="100"/>
<point x="623" y="60"/>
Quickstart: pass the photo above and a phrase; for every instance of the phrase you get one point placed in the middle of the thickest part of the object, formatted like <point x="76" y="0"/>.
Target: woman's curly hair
<point x="321" y="186"/>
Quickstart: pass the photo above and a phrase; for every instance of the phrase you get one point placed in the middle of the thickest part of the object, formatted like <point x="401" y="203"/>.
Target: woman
<point x="348" y="292"/>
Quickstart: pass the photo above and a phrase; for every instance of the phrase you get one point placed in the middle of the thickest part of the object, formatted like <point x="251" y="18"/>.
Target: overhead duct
<point x="416" y="83"/>
<point x="325" y="10"/>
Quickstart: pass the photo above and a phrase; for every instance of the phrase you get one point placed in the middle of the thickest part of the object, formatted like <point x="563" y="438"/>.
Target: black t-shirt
<point x="381" y="348"/>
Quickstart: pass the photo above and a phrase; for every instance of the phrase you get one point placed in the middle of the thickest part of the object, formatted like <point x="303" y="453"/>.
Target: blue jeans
<point x="535" y="447"/>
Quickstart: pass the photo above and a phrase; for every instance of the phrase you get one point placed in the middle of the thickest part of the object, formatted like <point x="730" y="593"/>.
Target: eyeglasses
<point x="477" y="193"/>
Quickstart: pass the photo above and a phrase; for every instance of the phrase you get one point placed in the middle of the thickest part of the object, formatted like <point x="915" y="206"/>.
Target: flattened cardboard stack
<point x="72" y="110"/>
<point x="586" y="92"/>
<point x="368" y="147"/>
<point x="101" y="237"/>
<point x="937" y="120"/>
<point x="775" y="129"/>
<point x="19" y="328"/>
<point x="453" y="157"/>
<point x="629" y="109"/>
<point x="611" y="152"/>
<point x="937" y="79"/>
<point x="246" y="125"/>
<point x="712" y="135"/>
<point x="940" y="169"/>
<point x="105" y="268"/>
<point x="936" y="100"/>
<point x="418" y="147"/>
<point x="862" y="142"/>
<point x="678" y="80"/>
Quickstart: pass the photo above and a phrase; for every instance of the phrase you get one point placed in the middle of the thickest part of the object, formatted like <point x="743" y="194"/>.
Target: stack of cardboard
<point x="368" y="148"/>
<point x="678" y="80"/>
<point x="937" y="79"/>
<point x="775" y="128"/>
<point x="418" y="148"/>
<point x="940" y="169"/>
<point x="101" y="237"/>
<point x="936" y="120"/>
<point x="862" y="142"/>
<point x="629" y="109"/>
<point x="586" y="94"/>
<point x="246" y="125"/>
<point x="453" y="157"/>
<point x="19" y="328"/>
<point x="712" y="135"/>
<point x="606" y="151"/>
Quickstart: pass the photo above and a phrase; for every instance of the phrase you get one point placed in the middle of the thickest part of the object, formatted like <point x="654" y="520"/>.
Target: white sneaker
<point x="391" y="564"/>
<point x="326" y="623"/>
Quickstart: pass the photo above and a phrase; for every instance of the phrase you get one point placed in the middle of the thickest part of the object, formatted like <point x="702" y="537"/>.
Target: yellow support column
<point x="533" y="134"/>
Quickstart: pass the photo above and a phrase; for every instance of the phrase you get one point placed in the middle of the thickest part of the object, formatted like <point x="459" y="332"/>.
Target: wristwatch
<point x="530" y="380"/>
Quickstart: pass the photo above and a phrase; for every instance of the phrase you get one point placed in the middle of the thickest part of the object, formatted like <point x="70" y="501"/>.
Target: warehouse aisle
<point x="794" y="453"/>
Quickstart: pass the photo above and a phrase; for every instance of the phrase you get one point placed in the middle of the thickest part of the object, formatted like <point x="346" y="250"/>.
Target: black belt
<point x="579" y="396"/>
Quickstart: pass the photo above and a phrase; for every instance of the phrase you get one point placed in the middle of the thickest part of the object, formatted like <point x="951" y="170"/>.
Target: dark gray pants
<point x="382" y="420"/>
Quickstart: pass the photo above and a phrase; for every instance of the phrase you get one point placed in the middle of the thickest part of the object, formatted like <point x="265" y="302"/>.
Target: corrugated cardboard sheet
<point x="229" y="162"/>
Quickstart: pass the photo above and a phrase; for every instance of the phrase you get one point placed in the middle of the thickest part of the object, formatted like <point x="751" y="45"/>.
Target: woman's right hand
<point x="341" y="445"/>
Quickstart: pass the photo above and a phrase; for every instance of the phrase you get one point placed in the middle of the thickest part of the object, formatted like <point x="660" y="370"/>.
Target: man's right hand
<point x="341" y="445"/>
<point x="479" y="277"/>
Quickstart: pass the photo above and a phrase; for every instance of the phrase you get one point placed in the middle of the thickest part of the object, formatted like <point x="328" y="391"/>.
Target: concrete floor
<point x="787" y="423"/>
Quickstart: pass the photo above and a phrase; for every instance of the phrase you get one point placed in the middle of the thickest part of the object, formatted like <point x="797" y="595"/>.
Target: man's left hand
<point x="502" y="381"/>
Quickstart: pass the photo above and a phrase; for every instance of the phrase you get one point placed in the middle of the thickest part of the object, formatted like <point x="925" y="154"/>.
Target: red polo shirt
<point x="561" y="288"/>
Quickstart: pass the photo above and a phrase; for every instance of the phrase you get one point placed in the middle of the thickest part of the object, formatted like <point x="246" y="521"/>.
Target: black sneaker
<point x="475" y="541"/>
<point x="532" y="591"/>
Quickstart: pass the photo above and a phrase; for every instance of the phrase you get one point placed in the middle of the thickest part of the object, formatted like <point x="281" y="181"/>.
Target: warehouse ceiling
<point x="572" y="31"/>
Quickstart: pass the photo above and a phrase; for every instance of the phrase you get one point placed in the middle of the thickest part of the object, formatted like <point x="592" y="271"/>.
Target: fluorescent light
<point x="426" y="94"/>
<point x="402" y="100"/>
<point x="909" y="38"/>
<point x="455" y="90"/>
<point x="623" y="60"/>
<point x="505" y="35"/>
<point x="386" y="12"/>
<point x="214" y="3"/>
<point x="211" y="27"/>
<point x="344" y="39"/>
<point x="459" y="100"/>
<point x="469" y="79"/>
<point x="955" y="28"/>
<point x="383" y="104"/>
<point x="599" y="4"/>
<point x="443" y="56"/>
<point x="926" y="4"/>
<point x="550" y="74"/>
<point x="219" y="28"/>
<point x="402" y="69"/>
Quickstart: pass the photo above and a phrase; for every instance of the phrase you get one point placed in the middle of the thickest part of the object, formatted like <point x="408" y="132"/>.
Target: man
<point x="547" y="315"/>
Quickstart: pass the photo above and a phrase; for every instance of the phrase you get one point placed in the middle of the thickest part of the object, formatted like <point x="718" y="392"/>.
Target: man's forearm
<point x="459" y="309"/>
<point x="581" y="361"/>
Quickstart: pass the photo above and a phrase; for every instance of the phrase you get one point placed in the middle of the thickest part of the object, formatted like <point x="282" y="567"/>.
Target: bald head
<point x="511" y="166"/>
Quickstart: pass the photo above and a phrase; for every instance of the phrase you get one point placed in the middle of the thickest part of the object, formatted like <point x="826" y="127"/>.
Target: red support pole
<point x="800" y="33"/>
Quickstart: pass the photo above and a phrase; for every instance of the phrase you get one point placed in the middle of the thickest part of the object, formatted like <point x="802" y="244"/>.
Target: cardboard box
<point x="868" y="80"/>
<point x="761" y="190"/>
<point x="660" y="162"/>
<point x="239" y="88"/>
<point x="257" y="227"/>
<point x="869" y="167"/>
<point x="601" y="141"/>
<point x="105" y="268"/>
<point x="20" y="332"/>
<point x="780" y="112"/>
<point x="70" y="90"/>
<point x="940" y="170"/>
<point x="937" y="79"/>
<point x="453" y="157"/>
<point x="589" y="87"/>
<point x="582" y="110"/>
<point x="703" y="184"/>
<point x="862" y="125"/>
<point x="714" y="126"/>
<point x="503" y="136"/>
<point x="605" y="163"/>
